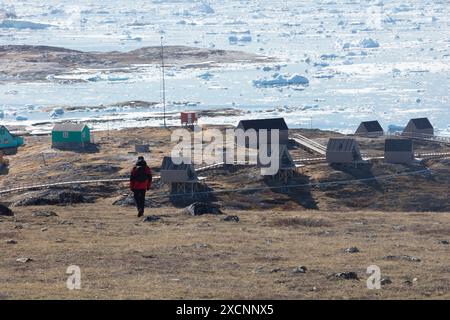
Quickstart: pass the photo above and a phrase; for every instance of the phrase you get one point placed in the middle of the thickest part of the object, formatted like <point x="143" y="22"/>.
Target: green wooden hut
<point x="70" y="135"/>
<point x="8" y="140"/>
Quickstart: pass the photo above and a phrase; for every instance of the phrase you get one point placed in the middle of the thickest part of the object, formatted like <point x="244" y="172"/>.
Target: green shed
<point x="8" y="140"/>
<point x="69" y="135"/>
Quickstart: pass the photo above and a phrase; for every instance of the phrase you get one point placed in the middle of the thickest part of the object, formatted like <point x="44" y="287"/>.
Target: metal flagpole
<point x="163" y="81"/>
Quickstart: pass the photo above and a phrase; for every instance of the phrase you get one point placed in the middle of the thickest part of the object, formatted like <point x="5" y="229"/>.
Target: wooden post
<point x="43" y="158"/>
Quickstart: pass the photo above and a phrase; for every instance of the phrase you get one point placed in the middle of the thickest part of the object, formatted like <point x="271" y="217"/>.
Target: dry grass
<point x="183" y="257"/>
<point x="296" y="222"/>
<point x="122" y="257"/>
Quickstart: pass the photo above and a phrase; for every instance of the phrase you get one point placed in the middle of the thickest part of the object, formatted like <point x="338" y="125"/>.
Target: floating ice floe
<point x="8" y="12"/>
<point x="403" y="8"/>
<point x="395" y="128"/>
<point x="324" y="76"/>
<point x="57" y="112"/>
<point x="94" y="78"/>
<point x="22" y="24"/>
<point x="206" y="75"/>
<point x="200" y="9"/>
<point x="234" y="22"/>
<point x="369" y="43"/>
<point x="330" y="56"/>
<point x="365" y="43"/>
<point x="117" y="78"/>
<point x="21" y="118"/>
<point x="239" y="36"/>
<point x="204" y="8"/>
<point x="279" y="80"/>
<point x="110" y="77"/>
<point x="388" y="19"/>
<point x="321" y="64"/>
<point x="2" y="114"/>
<point x="270" y="68"/>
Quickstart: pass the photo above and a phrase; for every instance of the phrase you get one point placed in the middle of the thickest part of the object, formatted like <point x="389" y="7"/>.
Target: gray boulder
<point x="200" y="208"/>
<point x="5" y="211"/>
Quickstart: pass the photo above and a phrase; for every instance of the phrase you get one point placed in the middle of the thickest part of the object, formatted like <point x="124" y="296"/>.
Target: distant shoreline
<point x="43" y="63"/>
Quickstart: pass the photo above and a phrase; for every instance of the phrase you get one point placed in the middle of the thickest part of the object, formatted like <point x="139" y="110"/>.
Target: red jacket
<point x="137" y="185"/>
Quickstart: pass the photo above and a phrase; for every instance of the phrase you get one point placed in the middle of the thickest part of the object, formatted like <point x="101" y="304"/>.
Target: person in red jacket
<point x="140" y="183"/>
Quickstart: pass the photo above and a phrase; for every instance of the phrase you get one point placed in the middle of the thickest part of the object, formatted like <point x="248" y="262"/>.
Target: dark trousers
<point x="139" y="198"/>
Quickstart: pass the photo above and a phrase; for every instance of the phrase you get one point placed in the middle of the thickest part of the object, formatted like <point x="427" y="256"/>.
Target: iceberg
<point x="57" y="112"/>
<point x="8" y="12"/>
<point x="364" y="43"/>
<point x="321" y="64"/>
<point x="204" y="8"/>
<point x="392" y="128"/>
<point x="22" y="24"/>
<point x="117" y="78"/>
<point x="94" y="78"/>
<point x="279" y="80"/>
<point x="239" y="36"/>
<point x="369" y="43"/>
<point x="206" y="76"/>
<point x="403" y="8"/>
<point x="330" y="56"/>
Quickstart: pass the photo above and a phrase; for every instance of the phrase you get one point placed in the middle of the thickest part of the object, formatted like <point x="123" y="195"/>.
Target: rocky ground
<point x="376" y="186"/>
<point x="36" y="63"/>
<point x="334" y="221"/>
<point x="267" y="254"/>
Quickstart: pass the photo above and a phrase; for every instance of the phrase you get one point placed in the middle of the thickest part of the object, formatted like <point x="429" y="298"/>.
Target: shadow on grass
<point x="91" y="148"/>
<point x="296" y="189"/>
<point x="180" y="198"/>
<point x="4" y="170"/>
<point x="359" y="172"/>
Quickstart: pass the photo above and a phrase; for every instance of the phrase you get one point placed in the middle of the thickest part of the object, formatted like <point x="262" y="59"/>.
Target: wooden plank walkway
<point x="309" y="144"/>
<point x="304" y="161"/>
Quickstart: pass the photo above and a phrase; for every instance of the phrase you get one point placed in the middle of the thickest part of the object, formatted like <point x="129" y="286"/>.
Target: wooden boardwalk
<point x="303" y="161"/>
<point x="309" y="144"/>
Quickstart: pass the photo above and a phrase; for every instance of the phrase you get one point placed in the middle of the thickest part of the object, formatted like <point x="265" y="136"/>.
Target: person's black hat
<point x="140" y="161"/>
